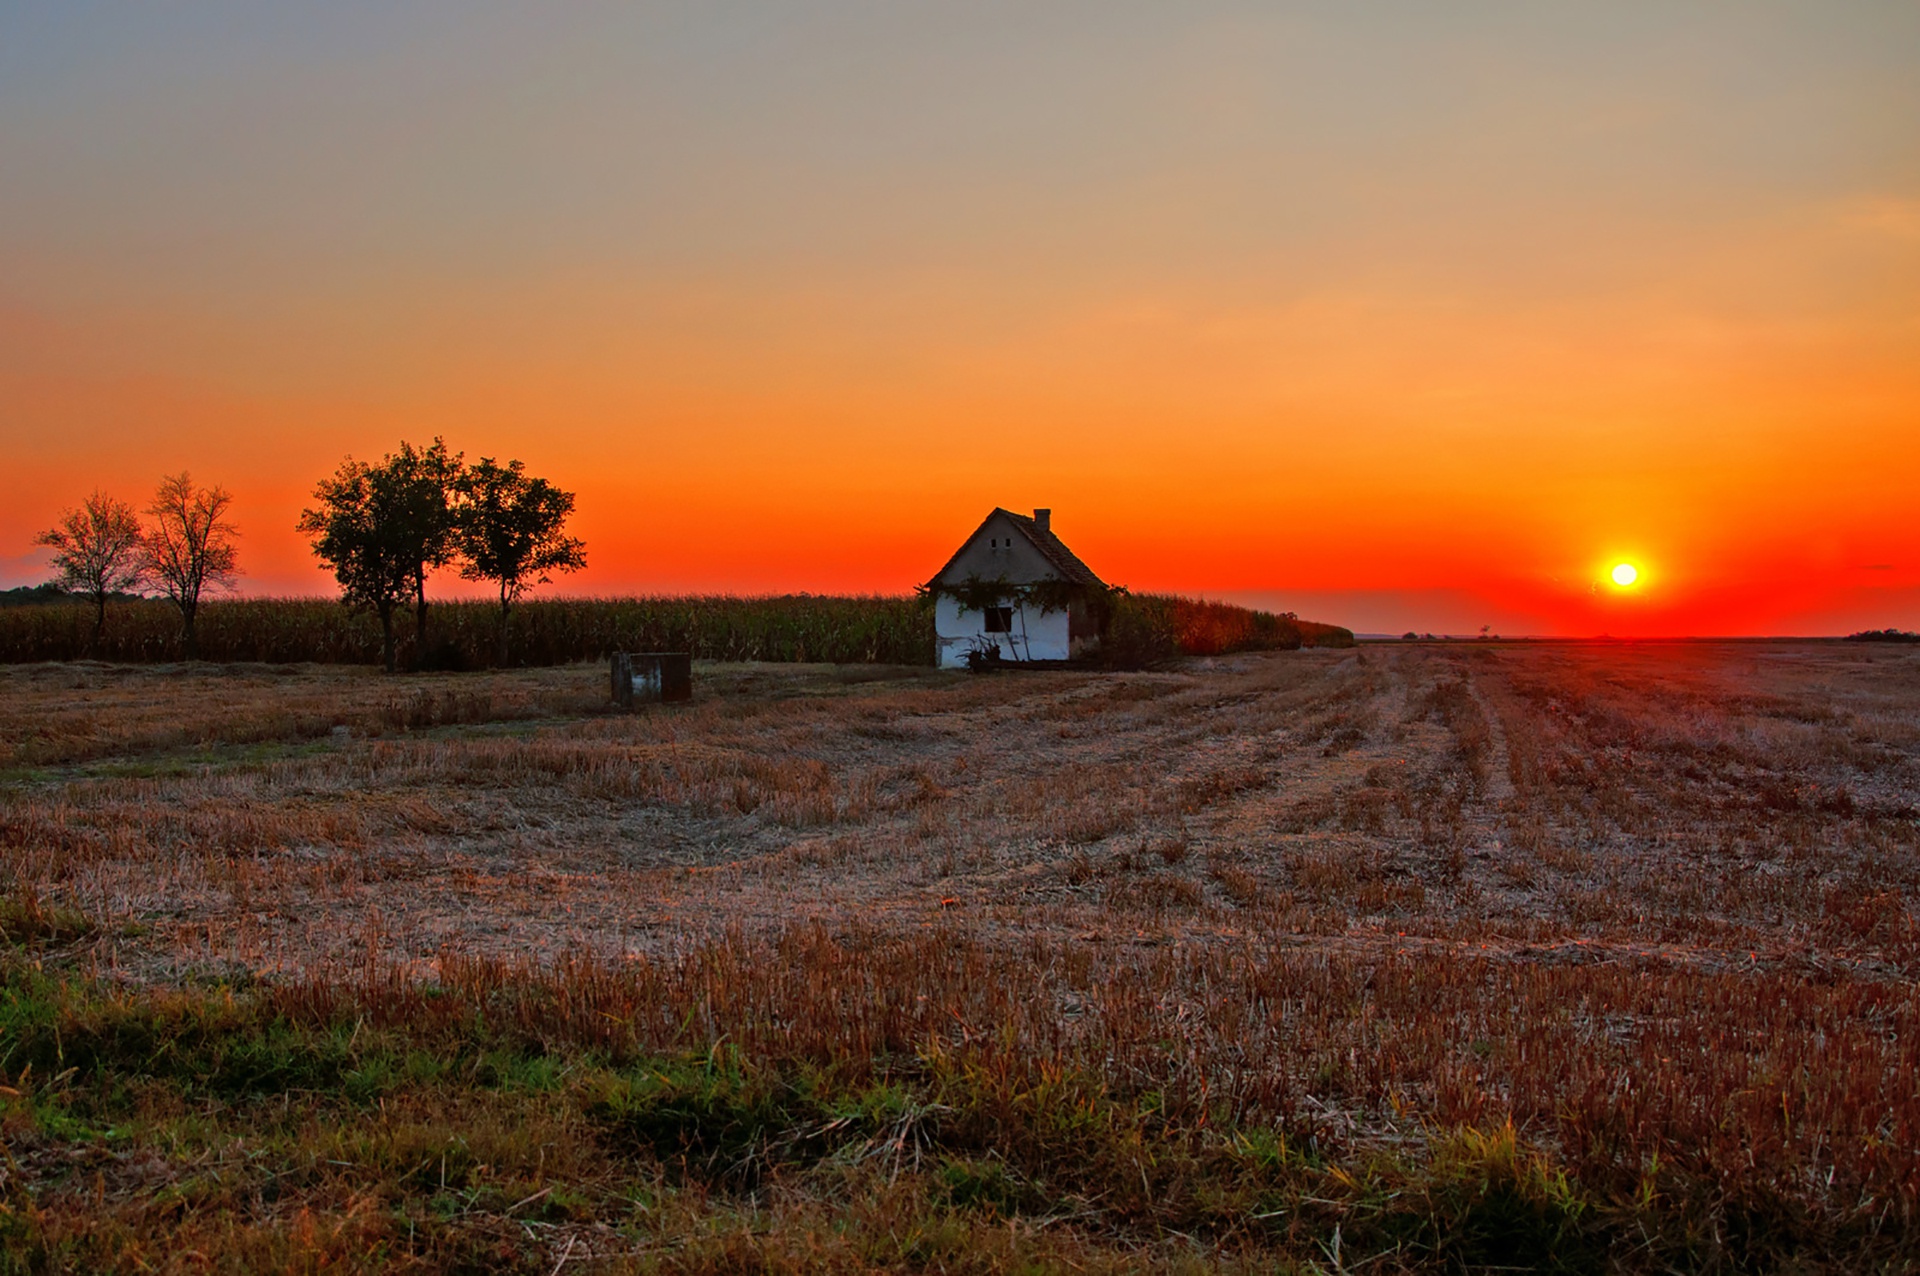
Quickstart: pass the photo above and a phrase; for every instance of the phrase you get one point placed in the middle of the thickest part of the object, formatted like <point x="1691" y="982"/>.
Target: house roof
<point x="1051" y="547"/>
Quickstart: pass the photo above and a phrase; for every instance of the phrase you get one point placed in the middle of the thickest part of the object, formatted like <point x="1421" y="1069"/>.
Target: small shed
<point x="651" y="677"/>
<point x="1013" y="589"/>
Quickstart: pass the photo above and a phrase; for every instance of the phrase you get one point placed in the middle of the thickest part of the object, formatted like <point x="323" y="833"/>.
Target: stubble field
<point x="1453" y="955"/>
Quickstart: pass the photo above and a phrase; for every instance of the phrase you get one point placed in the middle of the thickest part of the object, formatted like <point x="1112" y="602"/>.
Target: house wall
<point x="1036" y="635"/>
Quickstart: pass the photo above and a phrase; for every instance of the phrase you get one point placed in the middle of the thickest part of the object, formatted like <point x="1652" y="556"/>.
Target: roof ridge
<point x="1062" y="559"/>
<point x="1054" y="549"/>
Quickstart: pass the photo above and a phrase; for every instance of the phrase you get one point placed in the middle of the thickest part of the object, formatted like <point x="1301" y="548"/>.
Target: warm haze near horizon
<point x="1398" y="315"/>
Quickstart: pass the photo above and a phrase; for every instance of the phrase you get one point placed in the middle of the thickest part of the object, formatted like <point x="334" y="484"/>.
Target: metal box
<point x="651" y="677"/>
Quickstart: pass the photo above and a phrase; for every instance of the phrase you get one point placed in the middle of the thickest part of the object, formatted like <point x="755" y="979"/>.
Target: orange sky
<point x="1400" y="320"/>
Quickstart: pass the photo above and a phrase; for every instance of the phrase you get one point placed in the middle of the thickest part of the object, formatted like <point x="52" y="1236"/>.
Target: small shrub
<point x="24" y="919"/>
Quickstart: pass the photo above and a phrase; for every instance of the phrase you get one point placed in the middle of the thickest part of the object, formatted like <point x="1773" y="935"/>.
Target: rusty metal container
<point x="651" y="677"/>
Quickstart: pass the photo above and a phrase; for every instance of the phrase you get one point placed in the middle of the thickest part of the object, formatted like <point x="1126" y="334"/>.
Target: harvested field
<point x="1465" y="955"/>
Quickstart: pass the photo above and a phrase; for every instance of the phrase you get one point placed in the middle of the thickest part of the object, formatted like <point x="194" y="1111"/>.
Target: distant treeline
<point x="44" y="595"/>
<point x="1143" y="630"/>
<point x="1883" y="635"/>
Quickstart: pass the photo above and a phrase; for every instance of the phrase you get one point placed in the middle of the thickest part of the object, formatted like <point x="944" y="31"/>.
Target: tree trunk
<point x="190" y="640"/>
<point x="500" y="652"/>
<point x="386" y="636"/>
<point x="99" y="622"/>
<point x="420" y="615"/>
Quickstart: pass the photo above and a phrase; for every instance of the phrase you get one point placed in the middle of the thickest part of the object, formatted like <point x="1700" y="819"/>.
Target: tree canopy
<point x="382" y="528"/>
<point x="511" y="531"/>
<point x="421" y="483"/>
<point x="358" y="530"/>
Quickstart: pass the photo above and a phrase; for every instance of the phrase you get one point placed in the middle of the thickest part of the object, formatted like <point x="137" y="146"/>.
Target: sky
<point x="1398" y="315"/>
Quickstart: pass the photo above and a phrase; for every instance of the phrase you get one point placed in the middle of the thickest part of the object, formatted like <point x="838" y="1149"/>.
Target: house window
<point x="999" y="620"/>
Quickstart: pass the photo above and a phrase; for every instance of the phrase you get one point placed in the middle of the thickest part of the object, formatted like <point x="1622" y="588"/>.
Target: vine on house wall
<point x="977" y="593"/>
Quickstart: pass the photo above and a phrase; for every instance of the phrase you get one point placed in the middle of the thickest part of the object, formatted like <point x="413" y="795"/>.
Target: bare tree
<point x="511" y="532"/>
<point x="190" y="547"/>
<point x="96" y="552"/>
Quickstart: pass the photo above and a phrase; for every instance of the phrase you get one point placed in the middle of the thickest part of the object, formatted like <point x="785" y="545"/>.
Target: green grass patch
<point x="213" y="1118"/>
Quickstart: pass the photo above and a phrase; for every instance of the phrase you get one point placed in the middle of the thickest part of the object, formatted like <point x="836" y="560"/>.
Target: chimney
<point x="1042" y="519"/>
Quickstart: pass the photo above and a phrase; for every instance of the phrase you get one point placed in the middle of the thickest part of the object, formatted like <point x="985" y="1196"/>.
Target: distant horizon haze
<point x="1403" y="317"/>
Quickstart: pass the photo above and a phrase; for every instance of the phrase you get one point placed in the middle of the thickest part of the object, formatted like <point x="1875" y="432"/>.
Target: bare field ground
<point x="1646" y="911"/>
<point x="1716" y="804"/>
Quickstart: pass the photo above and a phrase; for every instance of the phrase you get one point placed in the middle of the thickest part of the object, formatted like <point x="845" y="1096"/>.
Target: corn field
<point x="460" y="635"/>
<point x="869" y="629"/>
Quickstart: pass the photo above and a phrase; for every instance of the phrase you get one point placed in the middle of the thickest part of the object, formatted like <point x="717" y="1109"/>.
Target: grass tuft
<point x="25" y="919"/>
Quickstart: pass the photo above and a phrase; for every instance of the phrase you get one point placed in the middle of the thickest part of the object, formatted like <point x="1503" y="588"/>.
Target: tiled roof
<point x="1051" y="547"/>
<point x="1064" y="560"/>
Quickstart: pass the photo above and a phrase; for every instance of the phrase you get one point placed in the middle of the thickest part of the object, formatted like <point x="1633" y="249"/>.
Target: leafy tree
<point x="190" y="547"/>
<point x="421" y="484"/>
<point x="511" y="531"/>
<point x="96" y="552"/>
<point x="359" y="531"/>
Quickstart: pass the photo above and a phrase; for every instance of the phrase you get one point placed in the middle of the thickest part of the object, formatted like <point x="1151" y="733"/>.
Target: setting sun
<point x="1624" y="574"/>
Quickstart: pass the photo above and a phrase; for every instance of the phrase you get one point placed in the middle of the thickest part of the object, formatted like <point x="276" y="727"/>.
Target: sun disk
<point x="1625" y="574"/>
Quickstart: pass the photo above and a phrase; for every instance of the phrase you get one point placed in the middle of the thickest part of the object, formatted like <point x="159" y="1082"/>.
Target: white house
<point x="1015" y="588"/>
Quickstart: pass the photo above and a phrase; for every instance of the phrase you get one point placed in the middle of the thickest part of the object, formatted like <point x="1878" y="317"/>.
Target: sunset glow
<point x="1379" y="316"/>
